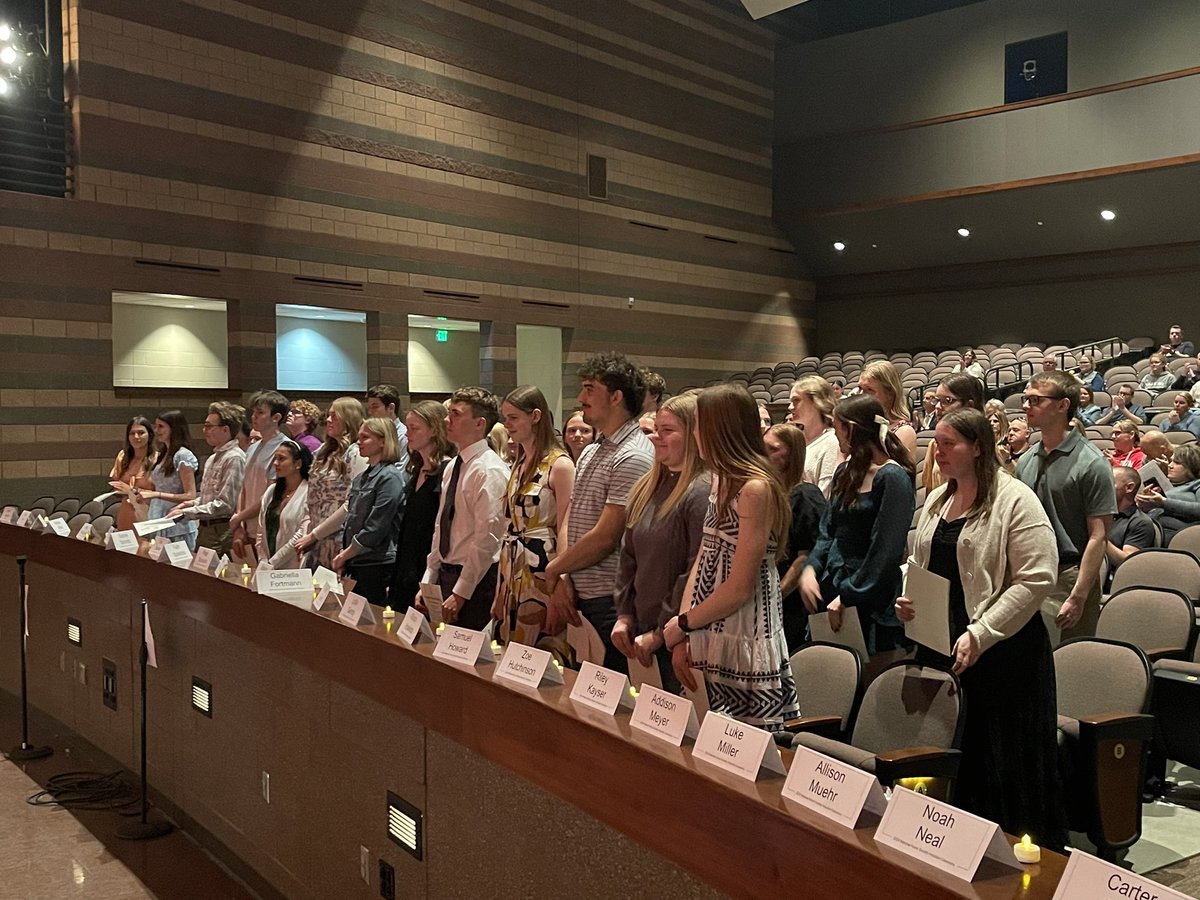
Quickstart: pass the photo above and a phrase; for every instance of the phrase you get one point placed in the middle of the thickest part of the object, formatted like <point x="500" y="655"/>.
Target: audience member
<point x="174" y="476"/>
<point x="466" y="537"/>
<point x="1176" y="347"/>
<point x="245" y="436"/>
<point x="1189" y="378"/>
<point x="656" y="386"/>
<point x="1088" y="376"/>
<point x="925" y="418"/>
<point x="954" y="391"/>
<point x="1158" y="379"/>
<point x="1123" y="407"/>
<point x="535" y="506"/>
<point x="998" y="419"/>
<point x="1156" y="448"/>
<point x="1074" y="482"/>
<point x="969" y="365"/>
<point x="337" y="464"/>
<point x="646" y="423"/>
<point x="130" y="474"/>
<point x="1018" y="439"/>
<point x="1180" y="506"/>
<point x="222" y="479"/>
<point x="577" y="434"/>
<point x="764" y="416"/>
<point x="856" y="560"/>
<point x="837" y="387"/>
<point x="786" y="449"/>
<point x="810" y="405"/>
<point x="583" y="575"/>
<point x="499" y="440"/>
<point x="732" y="628"/>
<point x="1125" y="450"/>
<point x="284" y="520"/>
<point x="383" y="401"/>
<point x="1183" y="416"/>
<point x="663" y="530"/>
<point x="1089" y="412"/>
<point x="1132" y="529"/>
<point x="986" y="533"/>
<point x="303" y="419"/>
<point x="881" y="380"/>
<point x="267" y="410"/>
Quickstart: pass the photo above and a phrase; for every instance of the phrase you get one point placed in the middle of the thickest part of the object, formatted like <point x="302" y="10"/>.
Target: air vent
<point x="180" y="267"/>
<point x="597" y="177"/>
<point x="202" y="696"/>
<point x="75" y="632"/>
<point x="719" y="240"/>
<point x="328" y="282"/>
<point x="545" y="304"/>
<point x="452" y="295"/>
<point x="648" y="225"/>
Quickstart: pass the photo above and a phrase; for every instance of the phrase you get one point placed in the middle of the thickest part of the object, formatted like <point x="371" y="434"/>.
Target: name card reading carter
<point x="664" y="715"/>
<point x="736" y="747"/>
<point x="527" y="666"/>
<point x="831" y="788"/>
<point x="1089" y="878"/>
<point x="464" y="645"/>
<point x="600" y="688"/>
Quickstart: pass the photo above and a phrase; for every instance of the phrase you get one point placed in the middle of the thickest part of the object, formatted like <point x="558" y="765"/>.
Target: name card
<point x="1089" y="878"/>
<point x="41" y="522"/>
<point x="664" y="715"/>
<point x="157" y="546"/>
<point x="178" y="554"/>
<point x="284" y="584"/>
<point x="125" y="541"/>
<point x="324" y="576"/>
<point x="941" y="835"/>
<point x="527" y="666"/>
<point x="600" y="688"/>
<point x="85" y="532"/>
<point x="23" y="518"/>
<point x="9" y="515"/>
<point x="60" y="527"/>
<point x="464" y="645"/>
<point x="205" y="560"/>
<point x="831" y="788"/>
<point x="356" y="611"/>
<point x="222" y="567"/>
<point x="152" y="526"/>
<point x="736" y="747"/>
<point x="415" y="628"/>
<point x="640" y="676"/>
<point x="431" y="596"/>
<point x="325" y="600"/>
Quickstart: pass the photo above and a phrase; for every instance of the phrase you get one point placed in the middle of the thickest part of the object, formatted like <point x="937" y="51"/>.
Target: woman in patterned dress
<point x="335" y="466"/>
<point x="539" y="493"/>
<point x="733" y="630"/>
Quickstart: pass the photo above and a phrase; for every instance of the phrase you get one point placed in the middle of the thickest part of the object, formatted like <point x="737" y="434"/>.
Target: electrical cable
<point x="89" y="791"/>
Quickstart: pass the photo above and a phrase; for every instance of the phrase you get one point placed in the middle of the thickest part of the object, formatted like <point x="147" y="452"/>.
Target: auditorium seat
<point x="69" y="505"/>
<point x="1159" y="621"/>
<point x="831" y="676"/>
<point x="78" y="521"/>
<point x="43" y="503"/>
<point x="1187" y="539"/>
<point x="1173" y="569"/>
<point x="1176" y="708"/>
<point x="1181" y="437"/>
<point x="92" y="508"/>
<point x="101" y="525"/>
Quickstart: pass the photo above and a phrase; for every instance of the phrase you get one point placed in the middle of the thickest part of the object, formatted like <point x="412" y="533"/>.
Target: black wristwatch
<point x="683" y="623"/>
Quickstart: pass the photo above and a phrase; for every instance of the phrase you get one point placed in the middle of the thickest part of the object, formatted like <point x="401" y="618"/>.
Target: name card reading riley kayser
<point x="664" y="715"/>
<point x="832" y="788"/>
<point x="736" y="747"/>
<point x="527" y="666"/>
<point x="1089" y="878"/>
<point x="600" y="689"/>
<point x="941" y="835"/>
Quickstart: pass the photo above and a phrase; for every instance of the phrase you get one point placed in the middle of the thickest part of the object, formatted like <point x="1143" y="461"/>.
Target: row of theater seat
<point x="100" y="513"/>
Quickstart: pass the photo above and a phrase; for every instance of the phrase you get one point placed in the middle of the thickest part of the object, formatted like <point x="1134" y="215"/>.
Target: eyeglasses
<point x="208" y="425"/>
<point x="1035" y="399"/>
<point x="946" y="401"/>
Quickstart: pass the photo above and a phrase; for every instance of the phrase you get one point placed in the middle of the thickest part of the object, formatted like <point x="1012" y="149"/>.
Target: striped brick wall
<point x="399" y="158"/>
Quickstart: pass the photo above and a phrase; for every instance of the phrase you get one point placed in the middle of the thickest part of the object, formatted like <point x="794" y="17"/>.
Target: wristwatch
<point x="683" y="623"/>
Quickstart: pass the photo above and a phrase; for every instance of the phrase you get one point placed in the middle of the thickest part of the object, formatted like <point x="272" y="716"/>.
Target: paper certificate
<point x="930" y="596"/>
<point x="850" y="635"/>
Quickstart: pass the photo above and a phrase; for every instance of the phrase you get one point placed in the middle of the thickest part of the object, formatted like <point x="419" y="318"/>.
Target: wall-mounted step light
<point x="75" y="632"/>
<point x="201" y="696"/>
<point x="404" y="824"/>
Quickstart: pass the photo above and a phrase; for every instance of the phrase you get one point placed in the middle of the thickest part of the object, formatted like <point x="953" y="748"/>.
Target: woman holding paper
<point x="132" y="471"/>
<point x="1180" y="506"/>
<point x="732" y="629"/>
<point x="283" y="516"/>
<point x="987" y="534"/>
<point x="174" y="476"/>
<point x="856" y="561"/>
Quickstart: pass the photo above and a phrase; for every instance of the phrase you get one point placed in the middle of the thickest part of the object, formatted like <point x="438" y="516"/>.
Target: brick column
<point x="387" y="351"/>
<point x="498" y="356"/>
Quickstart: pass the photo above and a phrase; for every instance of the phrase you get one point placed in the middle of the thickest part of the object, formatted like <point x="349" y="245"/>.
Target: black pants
<point x="477" y="611"/>
<point x="371" y="581"/>
<point x="602" y="613"/>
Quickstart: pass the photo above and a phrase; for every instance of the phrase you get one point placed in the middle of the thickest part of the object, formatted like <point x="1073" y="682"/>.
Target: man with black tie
<point x="466" y="536"/>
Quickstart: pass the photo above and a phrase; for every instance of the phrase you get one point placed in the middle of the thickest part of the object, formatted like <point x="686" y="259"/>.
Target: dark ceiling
<point x="817" y="19"/>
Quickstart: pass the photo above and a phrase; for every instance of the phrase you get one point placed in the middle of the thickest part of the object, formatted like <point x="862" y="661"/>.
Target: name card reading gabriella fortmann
<point x="736" y="747"/>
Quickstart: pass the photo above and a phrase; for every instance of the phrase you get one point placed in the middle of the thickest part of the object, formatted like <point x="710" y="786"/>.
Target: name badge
<point x="527" y="666"/>
<point x="831" y="788"/>
<point x="85" y="532"/>
<point x="600" y="688"/>
<point x="23" y="518"/>
<point x="60" y="527"/>
<point x="178" y="554"/>
<point x="9" y="515"/>
<point x="124" y="541"/>
<point x="463" y="645"/>
<point x="431" y="596"/>
<point x="664" y="715"/>
<point x="285" y="584"/>
<point x="205" y="560"/>
<point x="356" y="611"/>
<point x="736" y="747"/>
<point x="415" y="628"/>
<point x="941" y="835"/>
<point x="325" y="600"/>
<point x="1089" y="878"/>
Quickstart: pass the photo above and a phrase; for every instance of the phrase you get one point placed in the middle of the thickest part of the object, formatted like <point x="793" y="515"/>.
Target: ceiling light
<point x="5" y="31"/>
<point x="1040" y="222"/>
<point x="839" y="246"/>
<point x="1107" y="215"/>
<point x="964" y="232"/>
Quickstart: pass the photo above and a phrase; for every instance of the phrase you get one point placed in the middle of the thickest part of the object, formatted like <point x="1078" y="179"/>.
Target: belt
<point x="221" y="521"/>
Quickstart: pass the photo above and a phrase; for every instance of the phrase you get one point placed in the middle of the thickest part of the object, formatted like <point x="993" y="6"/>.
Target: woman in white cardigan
<point x="987" y="534"/>
<point x="283" y="518"/>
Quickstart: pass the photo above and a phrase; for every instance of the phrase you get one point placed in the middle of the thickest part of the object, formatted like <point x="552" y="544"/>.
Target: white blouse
<point x="293" y="524"/>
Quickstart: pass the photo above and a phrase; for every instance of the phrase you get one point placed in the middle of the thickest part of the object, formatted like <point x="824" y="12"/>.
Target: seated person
<point x="1123" y="407"/>
<point x="1049" y="364"/>
<point x="1158" y="379"/>
<point x="925" y="418"/>
<point x="1156" y="448"/>
<point x="1176" y="347"/>
<point x="1125" y="450"/>
<point x="1017" y="442"/>
<point x="970" y="365"/>
<point x="1183" y="416"/>
<point x="1089" y="412"/>
<point x="1189" y="378"/>
<point x="1180" y="506"/>
<point x="838" y="387"/>
<point x="1087" y="375"/>
<point x="1131" y="529"/>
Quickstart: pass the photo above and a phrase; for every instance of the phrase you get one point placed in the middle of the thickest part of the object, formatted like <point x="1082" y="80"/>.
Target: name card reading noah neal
<point x="664" y="715"/>
<point x="736" y="747"/>
<point x="1089" y="878"/>
<point x="600" y="688"/>
<point x="527" y="666"/>
<point x="831" y="788"/>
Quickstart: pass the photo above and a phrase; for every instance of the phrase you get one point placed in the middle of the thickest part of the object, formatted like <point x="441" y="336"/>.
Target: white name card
<point x="527" y="666"/>
<point x="325" y="600"/>
<point x="324" y="576"/>
<point x="205" y="560"/>
<point x="178" y="554"/>
<point x="463" y="645"/>
<point x="151" y="526"/>
<point x="156" y="548"/>
<point x="222" y="567"/>
<point x="600" y="688"/>
<point x="1089" y="878"/>
<point x="736" y="747"/>
<point x="431" y="596"/>
<point x="664" y="715"/>
<point x="23" y="518"/>
<point x="85" y="532"/>
<point x="60" y="527"/>
<point x="941" y="835"/>
<point x="415" y="628"/>
<point x="284" y="584"/>
<point x="9" y="515"/>
<point x="125" y="541"/>
<point x="831" y="788"/>
<point x="356" y="611"/>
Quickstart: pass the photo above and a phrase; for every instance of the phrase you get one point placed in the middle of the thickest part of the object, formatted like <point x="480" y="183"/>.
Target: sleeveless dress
<point x="744" y="656"/>
<point x="529" y="544"/>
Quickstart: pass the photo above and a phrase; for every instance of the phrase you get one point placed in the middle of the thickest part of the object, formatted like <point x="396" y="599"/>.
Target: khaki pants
<point x="216" y="536"/>
<point x="1086" y="626"/>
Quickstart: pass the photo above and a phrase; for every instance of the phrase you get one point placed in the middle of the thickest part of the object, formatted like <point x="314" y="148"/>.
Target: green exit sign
<point x="442" y="335"/>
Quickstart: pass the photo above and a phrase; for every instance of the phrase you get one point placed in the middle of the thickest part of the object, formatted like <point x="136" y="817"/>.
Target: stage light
<point x="5" y="31"/>
<point x="839" y="246"/>
<point x="8" y="56"/>
<point x="964" y="232"/>
<point x="1107" y="215"/>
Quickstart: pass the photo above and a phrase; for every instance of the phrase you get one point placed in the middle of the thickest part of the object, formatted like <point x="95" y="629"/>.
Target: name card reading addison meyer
<point x="527" y="666"/>
<point x="600" y="688"/>
<point x="736" y="747"/>
<point x="464" y="645"/>
<point x="125" y="541"/>
<point x="831" y="788"/>
<point x="664" y="715"/>
<point x="415" y="628"/>
<point x="1089" y="878"/>
<point x="941" y="835"/>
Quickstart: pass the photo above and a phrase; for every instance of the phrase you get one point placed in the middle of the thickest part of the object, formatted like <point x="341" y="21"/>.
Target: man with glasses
<point x="1075" y="484"/>
<point x="222" y="481"/>
<point x="1123" y="407"/>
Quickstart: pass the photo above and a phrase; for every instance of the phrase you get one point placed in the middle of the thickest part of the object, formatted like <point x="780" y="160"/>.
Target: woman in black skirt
<point x="986" y="533"/>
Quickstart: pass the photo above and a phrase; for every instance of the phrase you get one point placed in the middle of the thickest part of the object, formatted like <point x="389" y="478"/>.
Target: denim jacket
<point x="374" y="511"/>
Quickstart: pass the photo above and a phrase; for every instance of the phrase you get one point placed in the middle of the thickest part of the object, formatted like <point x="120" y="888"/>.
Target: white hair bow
<point x="883" y="429"/>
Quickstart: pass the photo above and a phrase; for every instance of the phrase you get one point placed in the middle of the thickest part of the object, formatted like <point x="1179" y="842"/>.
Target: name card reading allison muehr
<point x="664" y="715"/>
<point x="1089" y="878"/>
<point x="941" y="835"/>
<point x="464" y="646"/>
<point x="527" y="666"/>
<point x="600" y="688"/>
<point x="736" y="747"/>
<point x="831" y="788"/>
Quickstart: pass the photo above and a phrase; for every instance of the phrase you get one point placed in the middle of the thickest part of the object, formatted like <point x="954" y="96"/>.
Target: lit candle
<point x="441" y="628"/>
<point x="1027" y="852"/>
<point x="389" y="613"/>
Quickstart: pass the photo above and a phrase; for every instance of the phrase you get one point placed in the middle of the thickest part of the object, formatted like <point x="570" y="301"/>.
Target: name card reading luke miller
<point x="941" y="835"/>
<point x="527" y="666"/>
<point x="1089" y="878"/>
<point x="664" y="715"/>
<point x="464" y="645"/>
<point x="600" y="688"/>
<point x="831" y="788"/>
<point x="736" y="747"/>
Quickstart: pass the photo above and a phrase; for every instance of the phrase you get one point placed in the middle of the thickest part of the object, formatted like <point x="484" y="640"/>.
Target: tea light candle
<point x="389" y="613"/>
<point x="441" y="628"/>
<point x="1027" y="852"/>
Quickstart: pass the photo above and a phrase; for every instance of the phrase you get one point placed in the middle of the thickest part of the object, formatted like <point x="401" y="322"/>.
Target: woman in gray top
<point x="663" y="529"/>
<point x="1180" y="506"/>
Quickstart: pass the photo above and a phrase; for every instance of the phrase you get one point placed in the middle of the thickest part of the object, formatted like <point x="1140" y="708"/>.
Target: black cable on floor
<point x="89" y="790"/>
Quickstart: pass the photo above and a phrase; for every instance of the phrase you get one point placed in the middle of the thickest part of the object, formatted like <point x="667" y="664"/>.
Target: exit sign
<point x="442" y="335"/>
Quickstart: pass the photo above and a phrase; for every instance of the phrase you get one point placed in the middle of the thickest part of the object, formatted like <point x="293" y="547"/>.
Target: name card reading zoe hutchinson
<point x="664" y="715"/>
<point x="600" y="688"/>
<point x="941" y="835"/>
<point x="1089" y="878"/>
<point x="527" y="666"/>
<point x="736" y="747"/>
<point x="831" y="788"/>
<point x="464" y="646"/>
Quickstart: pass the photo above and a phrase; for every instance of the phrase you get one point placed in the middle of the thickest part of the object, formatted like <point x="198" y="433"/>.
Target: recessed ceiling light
<point x="839" y="246"/>
<point x="1040" y="222"/>
<point x="1107" y="215"/>
<point x="874" y="246"/>
<point x="964" y="232"/>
